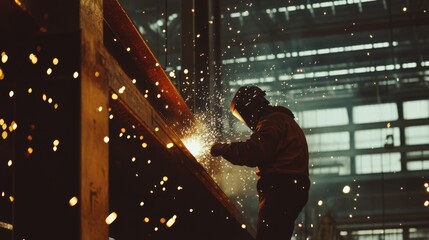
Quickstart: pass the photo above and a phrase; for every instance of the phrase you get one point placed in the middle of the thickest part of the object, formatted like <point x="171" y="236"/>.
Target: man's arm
<point x="259" y="148"/>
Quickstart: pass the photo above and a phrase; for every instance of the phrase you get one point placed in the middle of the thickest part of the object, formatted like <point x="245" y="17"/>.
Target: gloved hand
<point x="218" y="149"/>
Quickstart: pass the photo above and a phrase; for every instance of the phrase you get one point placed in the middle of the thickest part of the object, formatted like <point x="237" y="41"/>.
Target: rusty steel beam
<point x="123" y="27"/>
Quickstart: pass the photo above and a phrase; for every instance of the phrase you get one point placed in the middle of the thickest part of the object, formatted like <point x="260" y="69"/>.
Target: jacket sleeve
<point x="259" y="148"/>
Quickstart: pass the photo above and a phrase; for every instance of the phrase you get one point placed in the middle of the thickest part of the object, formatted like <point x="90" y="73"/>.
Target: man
<point x="279" y="149"/>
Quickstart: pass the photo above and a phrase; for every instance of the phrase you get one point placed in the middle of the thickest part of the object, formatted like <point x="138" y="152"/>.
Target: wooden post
<point x="71" y="32"/>
<point x="94" y="125"/>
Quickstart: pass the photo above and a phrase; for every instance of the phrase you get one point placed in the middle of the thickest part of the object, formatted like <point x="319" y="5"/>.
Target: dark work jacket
<point x="277" y="145"/>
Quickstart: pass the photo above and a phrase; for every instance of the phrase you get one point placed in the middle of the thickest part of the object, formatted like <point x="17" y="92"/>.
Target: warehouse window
<point x="418" y="165"/>
<point x="377" y="138"/>
<point x="328" y="141"/>
<point x="338" y="165"/>
<point x="416" y="135"/>
<point x="374" y="234"/>
<point x="375" y="113"/>
<point x="416" y="109"/>
<point x="377" y="163"/>
<point x="323" y="117"/>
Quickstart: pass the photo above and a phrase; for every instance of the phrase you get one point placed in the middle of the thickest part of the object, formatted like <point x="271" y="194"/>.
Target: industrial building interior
<point x="354" y="72"/>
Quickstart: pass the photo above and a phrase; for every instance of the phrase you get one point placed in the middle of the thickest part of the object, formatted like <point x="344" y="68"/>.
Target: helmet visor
<point x="238" y="115"/>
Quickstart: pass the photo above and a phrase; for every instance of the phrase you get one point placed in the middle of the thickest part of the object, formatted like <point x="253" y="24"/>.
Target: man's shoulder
<point x="279" y="111"/>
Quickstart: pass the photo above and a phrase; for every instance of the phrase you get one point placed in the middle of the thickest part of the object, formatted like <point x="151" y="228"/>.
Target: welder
<point x="278" y="148"/>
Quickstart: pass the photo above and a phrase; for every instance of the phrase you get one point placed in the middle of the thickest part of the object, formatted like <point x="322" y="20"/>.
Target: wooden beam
<point x="94" y="125"/>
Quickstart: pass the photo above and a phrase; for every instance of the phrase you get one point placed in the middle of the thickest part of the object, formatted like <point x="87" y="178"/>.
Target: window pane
<point x="339" y="165"/>
<point x="418" y="154"/>
<point x="417" y="135"/>
<point x="375" y="113"/>
<point x="419" y="233"/>
<point x="376" y="234"/>
<point x="416" y="109"/>
<point x="376" y="138"/>
<point x="323" y="117"/>
<point x="418" y="165"/>
<point x="376" y="163"/>
<point x="328" y="141"/>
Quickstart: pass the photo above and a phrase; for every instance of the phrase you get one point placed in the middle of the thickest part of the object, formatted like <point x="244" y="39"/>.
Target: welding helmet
<point x="248" y="105"/>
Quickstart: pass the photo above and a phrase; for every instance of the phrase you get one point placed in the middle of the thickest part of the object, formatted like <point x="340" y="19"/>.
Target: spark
<point x="111" y="218"/>
<point x="346" y="189"/>
<point x="198" y="140"/>
<point x="33" y="58"/>
<point x="170" y="145"/>
<point x="73" y="201"/>
<point x="4" y="57"/>
<point x="1" y="74"/>
<point x="171" y="221"/>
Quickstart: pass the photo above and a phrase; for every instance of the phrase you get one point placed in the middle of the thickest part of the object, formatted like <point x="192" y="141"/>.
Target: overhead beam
<point x="120" y="23"/>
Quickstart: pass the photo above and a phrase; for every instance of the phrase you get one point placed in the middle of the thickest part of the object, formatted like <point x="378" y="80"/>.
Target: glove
<point x="218" y="149"/>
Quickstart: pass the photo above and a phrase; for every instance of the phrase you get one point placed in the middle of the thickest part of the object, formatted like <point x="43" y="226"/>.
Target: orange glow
<point x="18" y="3"/>
<point x="1" y="74"/>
